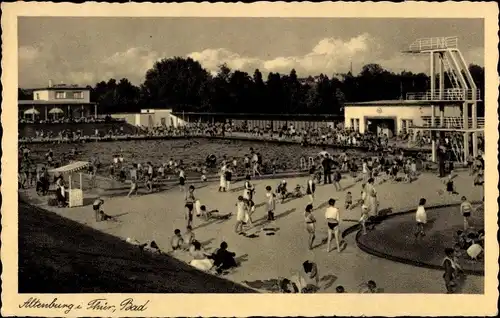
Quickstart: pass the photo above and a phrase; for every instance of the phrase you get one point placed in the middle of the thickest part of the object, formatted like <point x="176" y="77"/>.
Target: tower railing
<point x="451" y="94"/>
<point x="435" y="43"/>
<point x="449" y="122"/>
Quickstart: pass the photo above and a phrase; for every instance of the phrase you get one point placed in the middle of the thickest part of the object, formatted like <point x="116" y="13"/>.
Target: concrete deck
<point x="265" y="258"/>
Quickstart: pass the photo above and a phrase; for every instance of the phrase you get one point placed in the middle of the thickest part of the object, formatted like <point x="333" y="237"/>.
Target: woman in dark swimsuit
<point x="190" y="200"/>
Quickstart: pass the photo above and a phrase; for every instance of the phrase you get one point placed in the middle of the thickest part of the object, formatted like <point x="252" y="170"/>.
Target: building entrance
<point x="381" y="126"/>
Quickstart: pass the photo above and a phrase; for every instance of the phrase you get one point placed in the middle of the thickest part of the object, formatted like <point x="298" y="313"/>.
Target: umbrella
<point x="31" y="111"/>
<point x="56" y="111"/>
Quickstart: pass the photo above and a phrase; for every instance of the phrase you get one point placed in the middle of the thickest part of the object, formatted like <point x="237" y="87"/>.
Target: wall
<point x="407" y="112"/>
<point x="50" y="95"/>
<point x="152" y="118"/>
<point x="42" y="95"/>
<point x="129" y="118"/>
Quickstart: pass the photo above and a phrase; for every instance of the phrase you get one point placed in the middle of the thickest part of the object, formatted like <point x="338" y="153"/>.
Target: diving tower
<point x="445" y="59"/>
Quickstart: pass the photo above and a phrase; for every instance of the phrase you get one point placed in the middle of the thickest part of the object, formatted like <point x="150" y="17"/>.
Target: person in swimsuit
<point x="240" y="214"/>
<point x="250" y="208"/>
<point x="311" y="188"/>
<point x="96" y="206"/>
<point x="177" y="241"/>
<point x="182" y="179"/>
<point x="228" y="175"/>
<point x="421" y="218"/>
<point x="332" y="216"/>
<point x="310" y="224"/>
<point x="249" y="189"/>
<point x="282" y="190"/>
<point x="466" y="210"/>
<point x="133" y="186"/>
<point x="348" y="200"/>
<point x="190" y="201"/>
<point x="188" y="238"/>
<point x="364" y="210"/>
<point x="222" y="183"/>
<point x="270" y="203"/>
<point x="451" y="269"/>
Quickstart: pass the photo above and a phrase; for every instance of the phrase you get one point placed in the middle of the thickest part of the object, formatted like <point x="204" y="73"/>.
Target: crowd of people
<point x="386" y="165"/>
<point x="327" y="135"/>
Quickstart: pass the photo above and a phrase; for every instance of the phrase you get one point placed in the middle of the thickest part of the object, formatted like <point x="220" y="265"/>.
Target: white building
<point x="393" y="116"/>
<point x="68" y="101"/>
<point x="151" y="118"/>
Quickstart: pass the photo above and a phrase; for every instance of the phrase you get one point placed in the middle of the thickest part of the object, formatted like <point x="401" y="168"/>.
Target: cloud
<point x="132" y="63"/>
<point x="328" y="56"/>
<point x="28" y="54"/>
<point x="39" y="64"/>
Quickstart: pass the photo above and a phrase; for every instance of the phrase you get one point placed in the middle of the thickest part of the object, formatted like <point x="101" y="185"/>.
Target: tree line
<point x="184" y="85"/>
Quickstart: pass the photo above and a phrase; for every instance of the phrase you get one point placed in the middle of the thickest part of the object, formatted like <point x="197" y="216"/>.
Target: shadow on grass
<point x="283" y="214"/>
<point x="57" y="255"/>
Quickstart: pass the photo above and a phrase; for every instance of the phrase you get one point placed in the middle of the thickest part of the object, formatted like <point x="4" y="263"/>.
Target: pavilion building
<point x="58" y="101"/>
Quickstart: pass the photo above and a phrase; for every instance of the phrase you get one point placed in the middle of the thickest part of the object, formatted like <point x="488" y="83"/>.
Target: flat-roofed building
<point x="58" y="101"/>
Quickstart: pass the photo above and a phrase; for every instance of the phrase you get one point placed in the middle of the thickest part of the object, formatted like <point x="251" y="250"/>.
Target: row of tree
<point x="184" y="85"/>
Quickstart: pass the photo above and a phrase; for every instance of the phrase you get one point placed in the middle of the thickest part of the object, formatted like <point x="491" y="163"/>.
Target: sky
<point x="87" y="50"/>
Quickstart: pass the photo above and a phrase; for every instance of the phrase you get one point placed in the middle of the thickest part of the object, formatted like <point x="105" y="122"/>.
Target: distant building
<point x="151" y="118"/>
<point x="58" y="101"/>
<point x="393" y="116"/>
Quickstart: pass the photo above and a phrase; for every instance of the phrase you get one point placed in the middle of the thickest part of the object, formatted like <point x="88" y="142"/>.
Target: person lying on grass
<point x="202" y="211"/>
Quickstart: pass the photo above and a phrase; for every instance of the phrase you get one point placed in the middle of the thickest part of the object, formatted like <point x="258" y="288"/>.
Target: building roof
<point x="61" y="88"/>
<point x="260" y="115"/>
<point x="53" y="102"/>
<point x="395" y="102"/>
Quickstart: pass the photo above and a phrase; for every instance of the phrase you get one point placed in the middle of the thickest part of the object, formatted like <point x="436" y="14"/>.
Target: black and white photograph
<point x="201" y="153"/>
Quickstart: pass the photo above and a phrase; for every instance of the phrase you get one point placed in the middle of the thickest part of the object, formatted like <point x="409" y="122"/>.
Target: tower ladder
<point x="452" y="76"/>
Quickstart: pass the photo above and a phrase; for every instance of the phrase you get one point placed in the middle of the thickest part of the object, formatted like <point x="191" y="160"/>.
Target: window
<point x="60" y="95"/>
<point x="352" y="123"/>
<point x="357" y="124"/>
<point x="37" y="96"/>
<point x="78" y="95"/>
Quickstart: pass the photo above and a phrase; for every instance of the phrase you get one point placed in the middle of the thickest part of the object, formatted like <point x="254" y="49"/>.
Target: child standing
<point x="222" y="183"/>
<point x="336" y="180"/>
<point x="348" y="200"/>
<point x="229" y="177"/>
<point x="271" y="203"/>
<point x="249" y="189"/>
<point x="421" y="218"/>
<point x="240" y="215"/>
<point x="133" y="186"/>
<point x="364" y="209"/>
<point x="450" y="186"/>
<point x="182" y="179"/>
<point x="310" y="224"/>
<point x="466" y="210"/>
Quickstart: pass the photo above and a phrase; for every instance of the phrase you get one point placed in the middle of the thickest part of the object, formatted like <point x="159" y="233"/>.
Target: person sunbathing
<point x="223" y="259"/>
<point x="201" y="260"/>
<point x="297" y="193"/>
